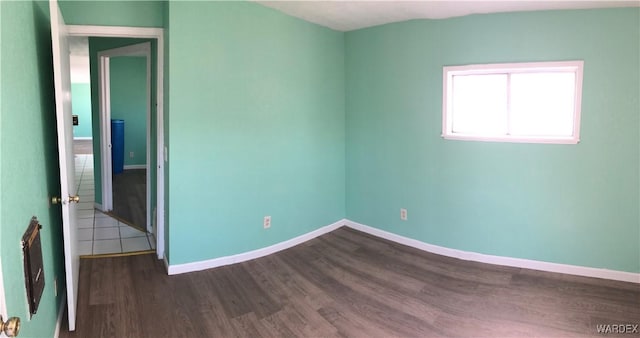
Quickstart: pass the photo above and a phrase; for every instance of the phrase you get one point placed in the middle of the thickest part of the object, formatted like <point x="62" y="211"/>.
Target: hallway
<point x="98" y="233"/>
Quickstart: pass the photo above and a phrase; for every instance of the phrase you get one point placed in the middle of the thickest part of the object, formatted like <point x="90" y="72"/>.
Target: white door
<point x="62" y="83"/>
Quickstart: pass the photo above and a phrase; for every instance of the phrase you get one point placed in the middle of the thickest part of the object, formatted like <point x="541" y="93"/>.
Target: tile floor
<point x="98" y="233"/>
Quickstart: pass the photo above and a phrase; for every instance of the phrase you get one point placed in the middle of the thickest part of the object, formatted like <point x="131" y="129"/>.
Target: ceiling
<point x="356" y="14"/>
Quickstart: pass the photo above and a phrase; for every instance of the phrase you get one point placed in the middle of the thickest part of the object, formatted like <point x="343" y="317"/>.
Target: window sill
<point x="512" y="139"/>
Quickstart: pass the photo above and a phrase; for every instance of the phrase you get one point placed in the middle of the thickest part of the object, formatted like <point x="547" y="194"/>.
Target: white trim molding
<point x="499" y="260"/>
<point x="135" y="166"/>
<point x="82" y="138"/>
<point x="105" y="131"/>
<point x="435" y="249"/>
<point x="166" y="263"/>
<point x="227" y="260"/>
<point x="115" y="31"/>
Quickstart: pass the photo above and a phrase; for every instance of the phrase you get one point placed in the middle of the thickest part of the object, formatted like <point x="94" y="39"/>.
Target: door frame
<point x="149" y="33"/>
<point x="104" y="76"/>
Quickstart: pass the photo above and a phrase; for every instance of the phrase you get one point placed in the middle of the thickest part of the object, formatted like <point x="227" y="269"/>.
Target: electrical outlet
<point x="131" y="154"/>
<point x="266" y="222"/>
<point x="403" y="214"/>
<point x="55" y="286"/>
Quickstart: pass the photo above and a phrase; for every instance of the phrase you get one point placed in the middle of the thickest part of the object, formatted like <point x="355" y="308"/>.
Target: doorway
<point x="60" y="32"/>
<point x="126" y="130"/>
<point x="156" y="153"/>
<point x="102" y="233"/>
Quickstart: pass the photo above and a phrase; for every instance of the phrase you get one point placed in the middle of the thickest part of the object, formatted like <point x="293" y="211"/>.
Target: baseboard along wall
<point x="135" y="166"/>
<point x="499" y="260"/>
<point x="460" y="254"/>
<point x="222" y="261"/>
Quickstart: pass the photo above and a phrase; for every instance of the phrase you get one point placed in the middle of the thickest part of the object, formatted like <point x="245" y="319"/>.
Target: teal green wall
<point x="81" y="105"/>
<point x="257" y="128"/>
<point x="100" y="44"/>
<point x="128" y="75"/>
<point x="268" y="111"/>
<point x="113" y="13"/>
<point x="29" y="159"/>
<point x="570" y="204"/>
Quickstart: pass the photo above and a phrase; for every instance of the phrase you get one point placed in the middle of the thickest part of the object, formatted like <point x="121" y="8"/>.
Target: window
<point x="517" y="102"/>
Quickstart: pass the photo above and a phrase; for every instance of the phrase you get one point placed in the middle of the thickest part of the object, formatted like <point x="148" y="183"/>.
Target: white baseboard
<point x="221" y="261"/>
<point x="98" y="206"/>
<point x="135" y="166"/>
<point x="63" y="306"/>
<point x="499" y="260"/>
<point x="439" y="250"/>
<point x="83" y="138"/>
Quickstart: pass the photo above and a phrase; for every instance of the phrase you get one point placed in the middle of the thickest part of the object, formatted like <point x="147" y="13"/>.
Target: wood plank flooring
<point x="83" y="146"/>
<point x="345" y="283"/>
<point x="130" y="197"/>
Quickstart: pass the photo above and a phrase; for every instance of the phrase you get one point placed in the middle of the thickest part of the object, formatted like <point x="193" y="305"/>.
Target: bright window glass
<point x="480" y="104"/>
<point x="542" y="104"/>
<point x="530" y="102"/>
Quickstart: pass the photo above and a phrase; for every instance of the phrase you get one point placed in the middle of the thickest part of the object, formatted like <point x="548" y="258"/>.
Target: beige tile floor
<point x="98" y="233"/>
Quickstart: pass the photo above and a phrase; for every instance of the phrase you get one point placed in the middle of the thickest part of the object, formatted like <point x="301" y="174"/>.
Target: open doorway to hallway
<point x="126" y="73"/>
<point x="98" y="232"/>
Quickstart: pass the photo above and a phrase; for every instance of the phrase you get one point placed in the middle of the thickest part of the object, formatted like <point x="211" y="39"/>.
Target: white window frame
<point x="448" y="72"/>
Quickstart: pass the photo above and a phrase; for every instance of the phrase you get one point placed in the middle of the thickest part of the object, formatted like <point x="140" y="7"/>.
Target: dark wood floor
<point x="83" y="146"/>
<point x="344" y="283"/>
<point x="130" y="197"/>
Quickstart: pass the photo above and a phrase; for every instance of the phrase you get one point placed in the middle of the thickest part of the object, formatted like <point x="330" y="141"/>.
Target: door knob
<point x="56" y="200"/>
<point x="11" y="327"/>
